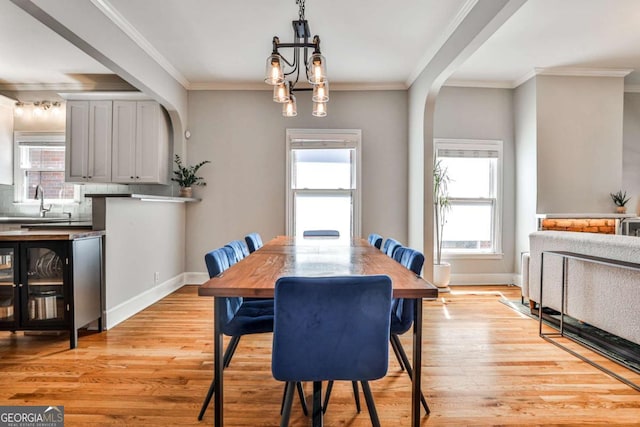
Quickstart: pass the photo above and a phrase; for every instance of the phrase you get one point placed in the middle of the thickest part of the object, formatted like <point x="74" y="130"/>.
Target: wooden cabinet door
<point x="99" y="153"/>
<point x="124" y="141"/>
<point x="77" y="141"/>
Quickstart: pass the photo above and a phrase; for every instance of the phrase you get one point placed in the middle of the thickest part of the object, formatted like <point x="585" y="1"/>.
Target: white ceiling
<point x="368" y="44"/>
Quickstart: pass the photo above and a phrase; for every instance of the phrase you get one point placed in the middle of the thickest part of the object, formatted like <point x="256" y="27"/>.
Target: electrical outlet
<point x="156" y="277"/>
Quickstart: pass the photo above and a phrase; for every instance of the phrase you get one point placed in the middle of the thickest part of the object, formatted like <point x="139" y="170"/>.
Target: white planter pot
<point x="441" y="274"/>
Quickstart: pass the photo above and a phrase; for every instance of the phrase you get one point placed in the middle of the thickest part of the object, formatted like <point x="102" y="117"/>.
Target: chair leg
<point x="368" y="397"/>
<point x="356" y="394"/>
<point x="407" y="365"/>
<point x="317" y="404"/>
<point x="288" y="399"/>
<point x="207" y="399"/>
<point x="327" y="395"/>
<point x="231" y="349"/>
<point x="303" y="399"/>
<point x="228" y="354"/>
<point x="396" y="352"/>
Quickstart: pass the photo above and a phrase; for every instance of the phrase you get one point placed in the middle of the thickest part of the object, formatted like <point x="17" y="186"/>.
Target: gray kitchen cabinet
<point x="88" y="141"/>
<point x="140" y="143"/>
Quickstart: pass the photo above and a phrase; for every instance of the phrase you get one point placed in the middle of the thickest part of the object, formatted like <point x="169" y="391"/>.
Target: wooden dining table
<point x="255" y="276"/>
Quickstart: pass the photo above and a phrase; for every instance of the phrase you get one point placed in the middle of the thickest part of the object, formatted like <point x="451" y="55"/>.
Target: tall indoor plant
<point x="186" y="176"/>
<point x="441" y="206"/>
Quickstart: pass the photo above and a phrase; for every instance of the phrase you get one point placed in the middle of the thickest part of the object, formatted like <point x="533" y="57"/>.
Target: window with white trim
<point x="323" y="181"/>
<point x="473" y="224"/>
<point x="39" y="160"/>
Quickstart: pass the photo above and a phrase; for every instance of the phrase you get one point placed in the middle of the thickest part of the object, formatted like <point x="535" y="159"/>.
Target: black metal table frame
<point x="548" y="336"/>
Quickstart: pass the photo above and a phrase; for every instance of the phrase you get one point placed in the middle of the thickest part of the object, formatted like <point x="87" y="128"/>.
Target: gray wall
<point x="631" y="151"/>
<point x="243" y="134"/>
<point x="579" y="137"/>
<point x="474" y="113"/>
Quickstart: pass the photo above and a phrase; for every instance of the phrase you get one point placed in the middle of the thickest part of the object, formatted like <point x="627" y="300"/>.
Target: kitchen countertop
<point x="82" y="225"/>
<point x="37" y="220"/>
<point x="586" y="215"/>
<point x="146" y="197"/>
<point x="22" y="235"/>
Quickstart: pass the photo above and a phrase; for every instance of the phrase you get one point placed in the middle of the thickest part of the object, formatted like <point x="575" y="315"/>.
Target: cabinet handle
<point x="84" y="177"/>
<point x="13" y="285"/>
<point x="20" y="285"/>
<point x="131" y="177"/>
<point x="90" y="177"/>
<point x="137" y="177"/>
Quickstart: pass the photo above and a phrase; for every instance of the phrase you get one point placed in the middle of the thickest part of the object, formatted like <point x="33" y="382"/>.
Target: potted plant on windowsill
<point x="186" y="176"/>
<point x="620" y="199"/>
<point x="441" y="206"/>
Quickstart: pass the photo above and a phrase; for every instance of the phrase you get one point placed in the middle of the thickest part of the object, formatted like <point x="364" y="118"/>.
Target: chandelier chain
<point x="301" y="12"/>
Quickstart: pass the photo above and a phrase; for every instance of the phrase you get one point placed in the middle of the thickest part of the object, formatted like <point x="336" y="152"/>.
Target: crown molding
<point x="583" y="72"/>
<point x="632" y="88"/>
<point x="112" y="13"/>
<point x="265" y="87"/>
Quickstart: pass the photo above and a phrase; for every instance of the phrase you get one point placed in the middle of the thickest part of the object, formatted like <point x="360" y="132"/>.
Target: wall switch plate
<point x="156" y="277"/>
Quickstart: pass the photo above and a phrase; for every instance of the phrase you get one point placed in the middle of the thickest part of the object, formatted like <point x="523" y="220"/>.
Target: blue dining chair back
<point x="240" y="249"/>
<point x="320" y="233"/>
<point x="331" y="328"/>
<point x="390" y="246"/>
<point x="217" y="261"/>
<point x="375" y="240"/>
<point x="254" y="241"/>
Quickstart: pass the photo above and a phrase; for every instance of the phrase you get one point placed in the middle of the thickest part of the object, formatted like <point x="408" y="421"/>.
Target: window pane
<point x="468" y="227"/>
<point x="52" y="183"/>
<point x="322" y="169"/>
<point x="323" y="212"/>
<point x="470" y="177"/>
<point x="42" y="158"/>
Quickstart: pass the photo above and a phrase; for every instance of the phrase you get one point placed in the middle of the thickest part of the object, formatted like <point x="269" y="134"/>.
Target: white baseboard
<point x="194" y="278"/>
<point x="485" y="279"/>
<point x="141" y="301"/>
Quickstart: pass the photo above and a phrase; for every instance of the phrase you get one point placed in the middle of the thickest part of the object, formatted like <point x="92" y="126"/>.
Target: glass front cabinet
<point x="39" y="285"/>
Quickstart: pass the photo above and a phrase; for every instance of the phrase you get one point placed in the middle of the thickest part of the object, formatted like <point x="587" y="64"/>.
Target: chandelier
<point x="284" y="74"/>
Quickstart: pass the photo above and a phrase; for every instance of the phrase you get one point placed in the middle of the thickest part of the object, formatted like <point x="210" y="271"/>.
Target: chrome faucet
<point x="40" y="195"/>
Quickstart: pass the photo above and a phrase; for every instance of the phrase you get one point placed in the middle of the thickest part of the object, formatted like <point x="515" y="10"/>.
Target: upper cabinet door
<point x="99" y="154"/>
<point x="152" y="142"/>
<point x="124" y="141"/>
<point x="88" y="141"/>
<point x="77" y="141"/>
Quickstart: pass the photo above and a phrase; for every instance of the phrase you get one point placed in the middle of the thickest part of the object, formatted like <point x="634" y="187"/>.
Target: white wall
<point x="475" y="113"/>
<point x="243" y="134"/>
<point x="142" y="238"/>
<point x="631" y="151"/>
<point x="579" y="128"/>
<point x="6" y="141"/>
<point x="524" y="101"/>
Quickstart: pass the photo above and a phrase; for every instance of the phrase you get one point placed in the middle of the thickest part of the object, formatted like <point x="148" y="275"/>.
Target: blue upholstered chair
<point x="240" y="248"/>
<point x="331" y="328"/>
<point x="241" y="317"/>
<point x="375" y="240"/>
<point x="320" y="233"/>
<point x="401" y="320"/>
<point x="390" y="245"/>
<point x="254" y="241"/>
<point x="402" y="311"/>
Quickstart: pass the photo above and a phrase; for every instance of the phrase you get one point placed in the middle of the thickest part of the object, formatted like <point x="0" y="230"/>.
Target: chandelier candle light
<point x="279" y="69"/>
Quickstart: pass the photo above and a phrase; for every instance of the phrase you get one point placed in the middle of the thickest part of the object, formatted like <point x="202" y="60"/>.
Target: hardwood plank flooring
<point x="483" y="364"/>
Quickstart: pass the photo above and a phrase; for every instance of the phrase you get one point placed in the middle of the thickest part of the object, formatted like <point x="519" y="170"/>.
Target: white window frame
<point x="20" y="137"/>
<point x="480" y="145"/>
<point x="317" y="139"/>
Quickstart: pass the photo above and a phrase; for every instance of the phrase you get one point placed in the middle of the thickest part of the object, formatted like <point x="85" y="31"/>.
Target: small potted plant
<point x="186" y="176"/>
<point x="441" y="206"/>
<point x="620" y="199"/>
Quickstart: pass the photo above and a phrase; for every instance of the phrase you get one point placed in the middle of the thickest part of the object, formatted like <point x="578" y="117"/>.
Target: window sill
<point x="453" y="255"/>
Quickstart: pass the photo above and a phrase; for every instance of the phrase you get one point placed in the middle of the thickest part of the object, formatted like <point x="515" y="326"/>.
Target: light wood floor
<point x="484" y="364"/>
